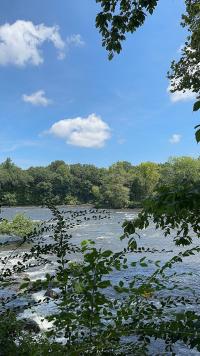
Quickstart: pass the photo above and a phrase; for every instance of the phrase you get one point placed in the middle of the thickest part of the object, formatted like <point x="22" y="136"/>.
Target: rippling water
<point x="106" y="234"/>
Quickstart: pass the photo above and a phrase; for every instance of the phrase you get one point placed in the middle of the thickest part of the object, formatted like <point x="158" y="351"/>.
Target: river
<point x="106" y="235"/>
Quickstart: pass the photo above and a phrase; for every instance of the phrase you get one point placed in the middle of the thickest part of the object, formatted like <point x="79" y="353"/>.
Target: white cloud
<point x="75" y="40"/>
<point x="186" y="95"/>
<point x="175" y="138"/>
<point x="90" y="132"/>
<point x="38" y="98"/>
<point x="21" y="42"/>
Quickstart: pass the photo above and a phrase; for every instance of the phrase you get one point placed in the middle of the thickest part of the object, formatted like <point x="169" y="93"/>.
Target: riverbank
<point x="136" y="205"/>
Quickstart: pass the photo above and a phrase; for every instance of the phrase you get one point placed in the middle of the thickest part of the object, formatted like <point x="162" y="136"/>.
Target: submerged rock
<point x="51" y="293"/>
<point x="31" y="325"/>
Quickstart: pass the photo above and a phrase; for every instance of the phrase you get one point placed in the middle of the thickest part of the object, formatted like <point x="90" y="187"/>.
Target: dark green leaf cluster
<point x="174" y="210"/>
<point x="119" y="17"/>
<point x="185" y="73"/>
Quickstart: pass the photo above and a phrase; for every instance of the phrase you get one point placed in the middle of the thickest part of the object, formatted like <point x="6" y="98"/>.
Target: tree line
<point x="121" y="185"/>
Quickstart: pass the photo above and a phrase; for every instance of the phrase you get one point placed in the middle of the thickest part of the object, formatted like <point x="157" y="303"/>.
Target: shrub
<point x="20" y="226"/>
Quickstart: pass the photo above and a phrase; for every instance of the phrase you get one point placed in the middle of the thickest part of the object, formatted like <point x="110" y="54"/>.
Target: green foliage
<point x="122" y="185"/>
<point x="114" y="195"/>
<point x="20" y="226"/>
<point x="71" y="200"/>
<point x="9" y="330"/>
<point x="9" y="199"/>
<point x="178" y="170"/>
<point x="12" y="329"/>
<point x="174" y="208"/>
<point x="184" y="74"/>
<point x="119" y="17"/>
<point x="146" y="179"/>
<point x="96" y="314"/>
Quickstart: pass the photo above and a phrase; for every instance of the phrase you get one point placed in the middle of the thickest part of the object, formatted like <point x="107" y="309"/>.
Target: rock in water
<point x="50" y="293"/>
<point x="31" y="326"/>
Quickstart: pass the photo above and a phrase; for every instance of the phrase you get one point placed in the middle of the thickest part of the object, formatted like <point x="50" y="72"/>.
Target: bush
<point x="19" y="226"/>
<point x="71" y="200"/>
<point x="9" y="199"/>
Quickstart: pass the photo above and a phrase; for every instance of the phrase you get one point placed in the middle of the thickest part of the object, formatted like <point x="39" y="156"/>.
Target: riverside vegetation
<point x="121" y="185"/>
<point x="94" y="314"/>
<point x="19" y="226"/>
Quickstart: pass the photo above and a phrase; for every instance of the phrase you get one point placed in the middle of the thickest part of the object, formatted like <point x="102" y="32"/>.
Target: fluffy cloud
<point x="175" y="138"/>
<point x="90" y="132"/>
<point x="186" y="95"/>
<point x="38" y="98"/>
<point x="21" y="42"/>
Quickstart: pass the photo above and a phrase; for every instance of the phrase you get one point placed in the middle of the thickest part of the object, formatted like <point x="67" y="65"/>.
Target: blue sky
<point x="60" y="97"/>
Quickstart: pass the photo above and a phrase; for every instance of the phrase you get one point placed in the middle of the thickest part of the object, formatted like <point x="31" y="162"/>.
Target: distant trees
<point x="146" y="178"/>
<point x="181" y="169"/>
<point x="14" y="183"/>
<point x="114" y="194"/>
<point x="121" y="185"/>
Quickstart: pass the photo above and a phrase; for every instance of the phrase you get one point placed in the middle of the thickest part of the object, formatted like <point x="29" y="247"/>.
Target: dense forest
<point x="121" y="185"/>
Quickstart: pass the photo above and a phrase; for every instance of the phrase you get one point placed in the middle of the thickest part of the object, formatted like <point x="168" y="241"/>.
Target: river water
<point x="106" y="235"/>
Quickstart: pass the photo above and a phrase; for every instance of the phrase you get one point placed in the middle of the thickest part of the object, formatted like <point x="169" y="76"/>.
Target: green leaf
<point x="133" y="264"/>
<point x="143" y="264"/>
<point x="104" y="284"/>
<point x="196" y="106"/>
<point x="197" y="135"/>
<point x="24" y="285"/>
<point x="121" y="284"/>
<point x="85" y="243"/>
<point x="106" y="253"/>
<point x="118" y="289"/>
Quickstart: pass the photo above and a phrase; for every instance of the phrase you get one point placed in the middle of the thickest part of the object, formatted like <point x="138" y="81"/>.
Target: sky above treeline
<point x="60" y="97"/>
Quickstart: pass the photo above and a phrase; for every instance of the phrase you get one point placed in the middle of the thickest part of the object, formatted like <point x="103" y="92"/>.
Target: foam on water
<point x="39" y="312"/>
